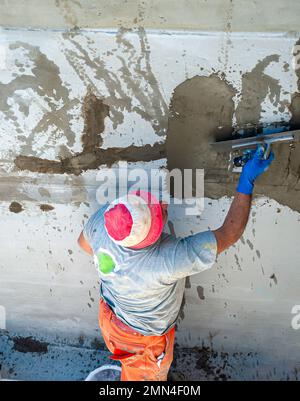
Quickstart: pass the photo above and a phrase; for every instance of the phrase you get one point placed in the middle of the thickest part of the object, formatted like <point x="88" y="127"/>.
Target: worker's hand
<point x="252" y="169"/>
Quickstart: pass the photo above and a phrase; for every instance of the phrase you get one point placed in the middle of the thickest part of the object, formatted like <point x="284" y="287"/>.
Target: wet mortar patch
<point x="256" y="86"/>
<point x="201" y="105"/>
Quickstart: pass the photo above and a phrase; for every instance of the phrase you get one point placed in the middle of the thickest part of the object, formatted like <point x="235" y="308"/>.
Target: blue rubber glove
<point x="252" y="169"/>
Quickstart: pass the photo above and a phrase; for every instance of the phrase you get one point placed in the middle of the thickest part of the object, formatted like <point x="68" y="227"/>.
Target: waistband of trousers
<point x="118" y="322"/>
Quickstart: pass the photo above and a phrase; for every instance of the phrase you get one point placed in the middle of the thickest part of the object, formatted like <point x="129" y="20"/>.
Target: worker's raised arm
<point x="235" y="222"/>
<point x="238" y="214"/>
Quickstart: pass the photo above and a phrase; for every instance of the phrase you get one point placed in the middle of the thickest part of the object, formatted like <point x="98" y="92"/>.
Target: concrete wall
<point x="212" y="15"/>
<point x="74" y="102"/>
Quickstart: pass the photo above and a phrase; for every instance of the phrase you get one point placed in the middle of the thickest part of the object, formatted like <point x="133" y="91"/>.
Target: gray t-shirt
<point x="145" y="287"/>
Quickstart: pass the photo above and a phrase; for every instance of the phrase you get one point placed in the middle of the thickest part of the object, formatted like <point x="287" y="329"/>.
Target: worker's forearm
<point x="235" y="221"/>
<point x="237" y="216"/>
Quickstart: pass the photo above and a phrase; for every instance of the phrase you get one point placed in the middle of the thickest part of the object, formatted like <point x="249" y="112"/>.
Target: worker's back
<point x="144" y="287"/>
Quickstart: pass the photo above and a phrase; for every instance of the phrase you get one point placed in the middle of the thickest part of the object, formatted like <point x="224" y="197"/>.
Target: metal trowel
<point x="245" y="141"/>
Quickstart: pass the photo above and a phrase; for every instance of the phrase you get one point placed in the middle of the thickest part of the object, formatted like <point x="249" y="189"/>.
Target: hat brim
<point x="157" y="223"/>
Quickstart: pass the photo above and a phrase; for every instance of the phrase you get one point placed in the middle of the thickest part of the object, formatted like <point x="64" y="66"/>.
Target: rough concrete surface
<point x="213" y="15"/>
<point x="73" y="102"/>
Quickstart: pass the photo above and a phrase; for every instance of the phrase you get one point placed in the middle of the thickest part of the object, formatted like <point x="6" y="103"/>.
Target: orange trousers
<point x="142" y="357"/>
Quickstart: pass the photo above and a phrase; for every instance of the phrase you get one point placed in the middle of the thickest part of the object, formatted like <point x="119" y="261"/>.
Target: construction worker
<point x="142" y="271"/>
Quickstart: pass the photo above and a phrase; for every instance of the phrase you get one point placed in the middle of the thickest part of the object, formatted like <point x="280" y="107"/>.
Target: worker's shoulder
<point x="167" y="240"/>
<point x="102" y="209"/>
<point x="202" y="235"/>
<point x="99" y="213"/>
<point x="95" y="220"/>
<point x="202" y="239"/>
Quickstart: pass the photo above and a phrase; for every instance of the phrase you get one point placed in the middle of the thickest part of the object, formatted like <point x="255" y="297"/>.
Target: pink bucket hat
<point x="134" y="220"/>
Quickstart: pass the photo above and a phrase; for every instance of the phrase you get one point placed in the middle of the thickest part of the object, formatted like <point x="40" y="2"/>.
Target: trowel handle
<point x="267" y="151"/>
<point x="240" y="161"/>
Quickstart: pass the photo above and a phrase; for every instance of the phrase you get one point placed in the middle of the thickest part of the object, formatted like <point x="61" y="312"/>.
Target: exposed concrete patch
<point x="15" y="207"/>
